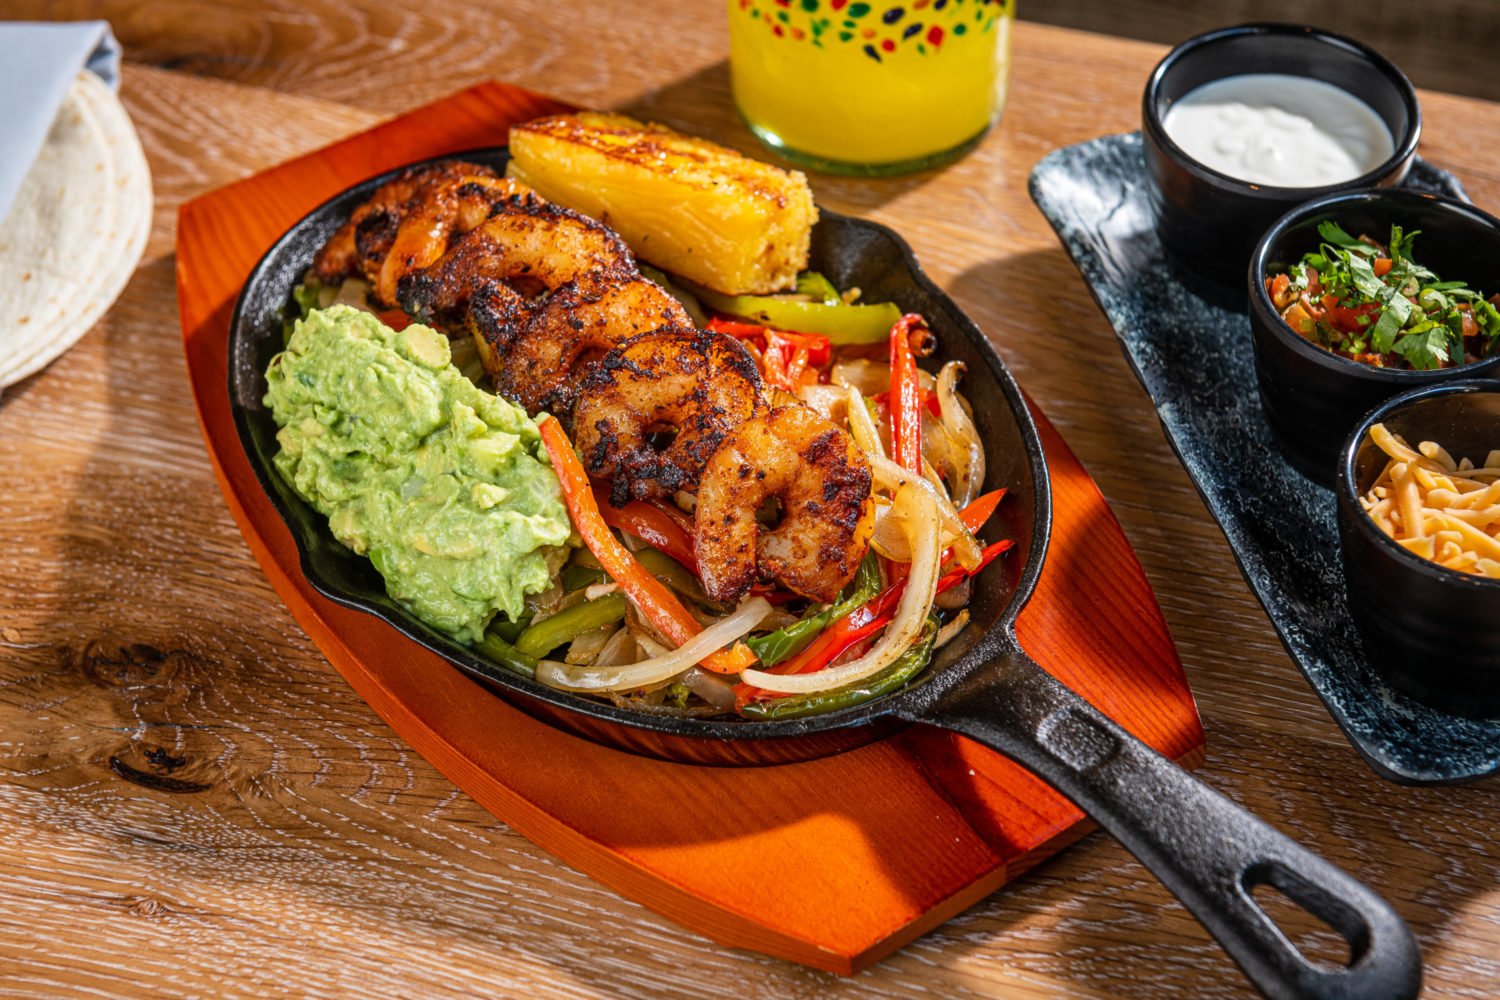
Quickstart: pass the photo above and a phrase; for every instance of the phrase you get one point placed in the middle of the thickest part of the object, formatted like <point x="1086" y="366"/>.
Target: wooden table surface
<point x="194" y="803"/>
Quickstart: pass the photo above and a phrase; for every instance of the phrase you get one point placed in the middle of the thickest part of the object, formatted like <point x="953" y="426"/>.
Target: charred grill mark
<point x="373" y="234"/>
<point x="822" y="483"/>
<point x="823" y="448"/>
<point x="665" y="380"/>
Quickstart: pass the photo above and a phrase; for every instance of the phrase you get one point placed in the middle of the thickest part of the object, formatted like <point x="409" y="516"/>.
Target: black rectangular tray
<point x="1195" y="360"/>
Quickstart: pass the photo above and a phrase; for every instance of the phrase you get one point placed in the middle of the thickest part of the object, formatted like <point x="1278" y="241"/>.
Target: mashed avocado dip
<point x="444" y="486"/>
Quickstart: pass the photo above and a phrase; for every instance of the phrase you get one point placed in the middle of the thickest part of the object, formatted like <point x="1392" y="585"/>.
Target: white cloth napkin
<point x="75" y="190"/>
<point x="38" y="62"/>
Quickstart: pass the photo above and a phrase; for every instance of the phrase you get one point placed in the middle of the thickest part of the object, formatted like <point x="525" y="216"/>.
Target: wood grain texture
<point x="328" y="860"/>
<point x="1437" y="43"/>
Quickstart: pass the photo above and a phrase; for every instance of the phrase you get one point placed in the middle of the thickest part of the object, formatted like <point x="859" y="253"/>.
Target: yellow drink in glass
<point x="861" y="87"/>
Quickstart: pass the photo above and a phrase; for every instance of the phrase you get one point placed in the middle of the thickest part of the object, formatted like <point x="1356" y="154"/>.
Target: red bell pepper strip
<point x="929" y="401"/>
<point x="796" y="368"/>
<point x="819" y="347"/>
<point x="833" y="642"/>
<point x="859" y="624"/>
<point x="773" y="368"/>
<point x="736" y="328"/>
<point x="395" y="319"/>
<point x="905" y="405"/>
<point x="650" y="596"/>
<point x="664" y="529"/>
<point x="788" y="360"/>
<point x="657" y="527"/>
<point x="905" y="399"/>
<point x="980" y="510"/>
<point x="954" y="577"/>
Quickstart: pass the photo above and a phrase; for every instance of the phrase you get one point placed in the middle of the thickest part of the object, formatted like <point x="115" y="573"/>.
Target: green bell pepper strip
<point x="773" y="647"/>
<point x="308" y="298"/>
<point x="906" y="666"/>
<point x="820" y="288"/>
<point x="495" y="648"/>
<point x="304" y="300"/>
<point x="509" y="630"/>
<point x="657" y="563"/>
<point x="576" y="577"/>
<point x="841" y="324"/>
<point x="565" y="626"/>
<point x="674" y="575"/>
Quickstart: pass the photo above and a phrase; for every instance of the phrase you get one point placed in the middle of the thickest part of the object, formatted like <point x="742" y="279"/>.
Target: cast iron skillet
<point x="1207" y="850"/>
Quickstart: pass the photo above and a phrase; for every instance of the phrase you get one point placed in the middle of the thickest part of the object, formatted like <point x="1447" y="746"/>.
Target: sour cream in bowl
<point x="1243" y="124"/>
<point x="1279" y="129"/>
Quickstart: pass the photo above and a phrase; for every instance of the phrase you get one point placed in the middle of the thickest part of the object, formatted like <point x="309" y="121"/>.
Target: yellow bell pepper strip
<point x="842" y="324"/>
<point x="651" y="597"/>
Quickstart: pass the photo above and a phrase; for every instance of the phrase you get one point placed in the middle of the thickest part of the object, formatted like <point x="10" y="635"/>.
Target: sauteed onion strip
<point x="916" y="509"/>
<point x="659" y="668"/>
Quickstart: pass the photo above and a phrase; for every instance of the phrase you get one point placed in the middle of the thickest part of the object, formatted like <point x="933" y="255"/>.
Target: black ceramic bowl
<point x="1313" y="398"/>
<point x="1209" y="221"/>
<point x="1433" y="632"/>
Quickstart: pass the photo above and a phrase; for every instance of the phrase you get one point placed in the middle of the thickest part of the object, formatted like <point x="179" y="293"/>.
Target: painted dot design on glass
<point x="881" y="30"/>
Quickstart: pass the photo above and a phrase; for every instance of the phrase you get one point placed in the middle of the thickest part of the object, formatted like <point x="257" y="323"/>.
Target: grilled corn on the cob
<point x="728" y="222"/>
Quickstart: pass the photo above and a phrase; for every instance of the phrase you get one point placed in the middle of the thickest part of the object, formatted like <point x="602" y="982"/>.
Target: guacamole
<point x="444" y="486"/>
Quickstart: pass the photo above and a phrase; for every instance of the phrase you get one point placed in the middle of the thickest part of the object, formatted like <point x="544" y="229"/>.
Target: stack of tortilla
<point x="75" y="232"/>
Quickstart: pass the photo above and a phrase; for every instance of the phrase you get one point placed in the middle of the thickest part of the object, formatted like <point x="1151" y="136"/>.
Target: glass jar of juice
<point x="870" y="87"/>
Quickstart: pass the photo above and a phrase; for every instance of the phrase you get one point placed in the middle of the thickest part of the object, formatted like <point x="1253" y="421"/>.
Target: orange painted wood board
<point x="887" y="841"/>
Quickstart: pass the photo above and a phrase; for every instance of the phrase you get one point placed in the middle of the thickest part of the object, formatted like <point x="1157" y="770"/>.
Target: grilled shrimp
<point x="822" y="481"/>
<point x="534" y="353"/>
<point x="360" y="244"/>
<point x="698" y="384"/>
<point x="436" y="217"/>
<point x="528" y="247"/>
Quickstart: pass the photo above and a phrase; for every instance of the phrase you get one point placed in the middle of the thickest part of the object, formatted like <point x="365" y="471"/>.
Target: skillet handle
<point x="1203" y="847"/>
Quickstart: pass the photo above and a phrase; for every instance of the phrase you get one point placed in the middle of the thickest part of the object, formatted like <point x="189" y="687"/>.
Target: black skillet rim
<point x="911" y="698"/>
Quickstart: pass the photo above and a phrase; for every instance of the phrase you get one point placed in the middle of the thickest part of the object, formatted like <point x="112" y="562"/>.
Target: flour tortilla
<point x="76" y="231"/>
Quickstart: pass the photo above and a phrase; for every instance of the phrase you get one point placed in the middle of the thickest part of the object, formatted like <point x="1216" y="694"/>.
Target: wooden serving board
<point x="832" y="863"/>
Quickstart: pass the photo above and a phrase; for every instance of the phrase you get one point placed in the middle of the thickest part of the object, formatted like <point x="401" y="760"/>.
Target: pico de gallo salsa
<point x="1373" y="303"/>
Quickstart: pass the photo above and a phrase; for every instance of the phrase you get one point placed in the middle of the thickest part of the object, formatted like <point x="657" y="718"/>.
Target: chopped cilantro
<point x="1334" y="233"/>
<point x="1376" y="304"/>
